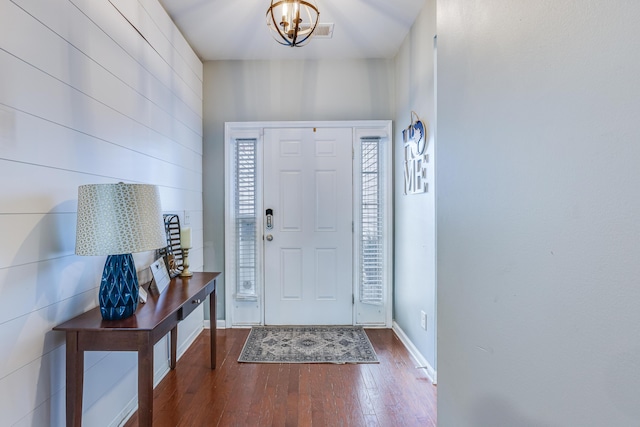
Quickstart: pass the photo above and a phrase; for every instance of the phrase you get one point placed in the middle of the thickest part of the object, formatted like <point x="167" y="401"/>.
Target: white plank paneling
<point x="61" y="155"/>
<point x="174" y="199"/>
<point x="190" y="326"/>
<point x="73" y="109"/>
<point x="31" y="287"/>
<point x="84" y="99"/>
<point x="51" y="412"/>
<point x="100" y="377"/>
<point x="44" y="190"/>
<point x="34" y="384"/>
<point x="145" y="24"/>
<point x="173" y="34"/>
<point x="36" y="237"/>
<point x="28" y="337"/>
<point x="107" y="17"/>
<point x="117" y="37"/>
<point x="195" y="219"/>
<point x="57" y="195"/>
<point x="40" y="190"/>
<point x="60" y="55"/>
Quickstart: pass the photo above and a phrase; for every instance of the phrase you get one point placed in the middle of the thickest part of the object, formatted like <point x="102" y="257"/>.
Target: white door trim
<point x="248" y="313"/>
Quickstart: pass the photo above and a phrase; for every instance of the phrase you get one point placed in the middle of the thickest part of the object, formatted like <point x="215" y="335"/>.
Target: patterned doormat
<point x="308" y="344"/>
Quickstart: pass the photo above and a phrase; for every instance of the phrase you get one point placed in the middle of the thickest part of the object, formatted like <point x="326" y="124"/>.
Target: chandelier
<point x="292" y="22"/>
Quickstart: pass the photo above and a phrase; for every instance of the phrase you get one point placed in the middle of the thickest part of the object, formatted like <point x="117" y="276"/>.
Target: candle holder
<point x="185" y="263"/>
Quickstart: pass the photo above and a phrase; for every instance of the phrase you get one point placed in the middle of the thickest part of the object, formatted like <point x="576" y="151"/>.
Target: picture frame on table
<point x="160" y="274"/>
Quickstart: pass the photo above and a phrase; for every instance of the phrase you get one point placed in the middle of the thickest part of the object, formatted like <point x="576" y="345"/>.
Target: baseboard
<point x="415" y="353"/>
<point x="128" y="411"/>
<point x="220" y="324"/>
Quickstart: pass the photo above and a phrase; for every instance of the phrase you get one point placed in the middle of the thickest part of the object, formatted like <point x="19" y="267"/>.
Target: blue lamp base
<point x="118" y="293"/>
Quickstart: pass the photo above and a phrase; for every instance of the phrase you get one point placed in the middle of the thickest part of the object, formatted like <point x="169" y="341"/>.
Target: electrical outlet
<point x="187" y="218"/>
<point x="423" y="320"/>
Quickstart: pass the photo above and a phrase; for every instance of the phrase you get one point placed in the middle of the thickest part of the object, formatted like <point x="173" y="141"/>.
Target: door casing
<point x="251" y="313"/>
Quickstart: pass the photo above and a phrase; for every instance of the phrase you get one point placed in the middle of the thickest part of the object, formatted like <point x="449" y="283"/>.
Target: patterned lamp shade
<point x="119" y="219"/>
<point x="116" y="220"/>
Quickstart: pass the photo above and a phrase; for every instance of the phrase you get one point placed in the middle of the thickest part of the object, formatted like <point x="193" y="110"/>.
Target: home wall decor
<point x="415" y="138"/>
<point x="172" y="253"/>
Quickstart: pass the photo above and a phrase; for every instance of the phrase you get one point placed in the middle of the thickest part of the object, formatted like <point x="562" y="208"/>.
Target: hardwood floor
<point x="391" y="393"/>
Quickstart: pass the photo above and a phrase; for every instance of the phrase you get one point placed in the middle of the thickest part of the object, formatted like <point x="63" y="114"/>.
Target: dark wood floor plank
<point x="318" y="414"/>
<point x="304" y="401"/>
<point x="281" y="394"/>
<point x="293" y="396"/>
<point x="259" y="407"/>
<point x="392" y="393"/>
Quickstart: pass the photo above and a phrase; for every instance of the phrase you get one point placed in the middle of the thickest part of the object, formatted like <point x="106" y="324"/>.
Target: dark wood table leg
<point x="145" y="382"/>
<point x="174" y="346"/>
<point x="75" y="378"/>
<point x="212" y="327"/>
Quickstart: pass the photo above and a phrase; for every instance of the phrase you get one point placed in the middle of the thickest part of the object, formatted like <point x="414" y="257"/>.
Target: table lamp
<point x="117" y="220"/>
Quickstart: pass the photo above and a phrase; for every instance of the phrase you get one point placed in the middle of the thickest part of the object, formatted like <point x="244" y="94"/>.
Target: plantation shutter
<point x="372" y="244"/>
<point x="245" y="215"/>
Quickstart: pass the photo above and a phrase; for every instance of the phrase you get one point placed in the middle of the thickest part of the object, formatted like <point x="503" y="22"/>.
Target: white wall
<point x="538" y="213"/>
<point x="83" y="99"/>
<point x="236" y="91"/>
<point x="415" y="277"/>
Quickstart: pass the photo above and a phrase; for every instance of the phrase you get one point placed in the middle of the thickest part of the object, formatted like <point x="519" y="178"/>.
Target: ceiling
<point x="236" y="29"/>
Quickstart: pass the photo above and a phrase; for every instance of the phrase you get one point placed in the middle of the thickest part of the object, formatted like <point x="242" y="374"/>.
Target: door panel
<point x="326" y="198"/>
<point x="326" y="278"/>
<point x="291" y="183"/>
<point x="291" y="274"/>
<point x="308" y="261"/>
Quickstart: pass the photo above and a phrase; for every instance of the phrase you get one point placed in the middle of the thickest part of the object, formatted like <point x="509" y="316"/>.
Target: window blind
<point x="245" y="215"/>
<point x="371" y="224"/>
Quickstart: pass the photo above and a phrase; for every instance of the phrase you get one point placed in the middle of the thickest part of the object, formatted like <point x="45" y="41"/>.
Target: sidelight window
<point x="245" y="218"/>
<point x="372" y="238"/>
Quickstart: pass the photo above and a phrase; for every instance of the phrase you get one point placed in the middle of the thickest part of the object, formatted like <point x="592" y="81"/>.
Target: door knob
<point x="269" y="237"/>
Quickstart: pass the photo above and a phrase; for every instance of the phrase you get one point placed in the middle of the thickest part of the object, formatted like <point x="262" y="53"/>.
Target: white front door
<point x="308" y="243"/>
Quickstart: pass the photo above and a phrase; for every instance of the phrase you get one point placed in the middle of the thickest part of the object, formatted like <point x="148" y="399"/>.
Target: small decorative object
<point x="116" y="220"/>
<point x="172" y="253"/>
<point x="142" y="297"/>
<point x="292" y="22"/>
<point x="160" y="275"/>
<point x="415" y="156"/>
<point x="185" y="244"/>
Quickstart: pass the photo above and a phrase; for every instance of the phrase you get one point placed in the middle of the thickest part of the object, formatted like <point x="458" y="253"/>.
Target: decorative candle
<point x="185" y="238"/>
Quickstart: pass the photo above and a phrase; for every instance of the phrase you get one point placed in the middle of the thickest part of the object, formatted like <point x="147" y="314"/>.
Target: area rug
<point x="308" y="344"/>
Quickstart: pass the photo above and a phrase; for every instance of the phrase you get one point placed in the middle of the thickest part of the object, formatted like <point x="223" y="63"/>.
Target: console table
<point x="152" y="321"/>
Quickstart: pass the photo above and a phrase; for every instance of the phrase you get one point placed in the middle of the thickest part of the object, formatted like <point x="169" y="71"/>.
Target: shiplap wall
<point x="84" y="98"/>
